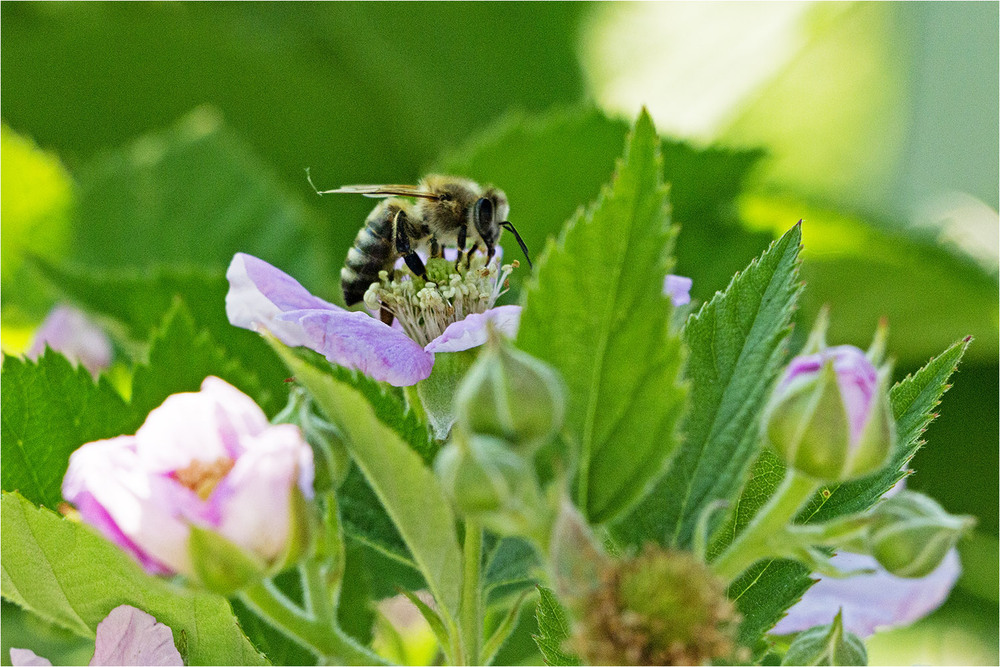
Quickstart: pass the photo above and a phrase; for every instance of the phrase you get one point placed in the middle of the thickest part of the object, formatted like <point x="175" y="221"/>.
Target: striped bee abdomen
<point x="372" y="252"/>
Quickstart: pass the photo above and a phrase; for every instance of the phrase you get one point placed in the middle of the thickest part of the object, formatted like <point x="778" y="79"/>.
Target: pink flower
<point x="678" y="288"/>
<point x="262" y="296"/>
<point x="69" y="331"/>
<point x="209" y="460"/>
<point x="127" y="636"/>
<point x="871" y="601"/>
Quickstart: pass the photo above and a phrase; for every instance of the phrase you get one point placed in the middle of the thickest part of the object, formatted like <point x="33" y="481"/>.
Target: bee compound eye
<point x="484" y="212"/>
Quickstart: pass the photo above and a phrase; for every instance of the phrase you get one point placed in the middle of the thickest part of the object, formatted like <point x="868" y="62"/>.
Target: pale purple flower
<point x="208" y="459"/>
<point x="871" y="601"/>
<point x="678" y="288"/>
<point x="127" y="636"/>
<point x="262" y="296"/>
<point x="67" y="330"/>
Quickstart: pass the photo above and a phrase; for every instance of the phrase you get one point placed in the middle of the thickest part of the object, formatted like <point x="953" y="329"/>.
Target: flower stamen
<point x="202" y="477"/>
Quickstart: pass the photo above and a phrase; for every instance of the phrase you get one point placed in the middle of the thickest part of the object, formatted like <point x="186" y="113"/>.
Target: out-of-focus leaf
<point x="930" y="294"/>
<point x="510" y="567"/>
<point x="737" y="345"/>
<point x="193" y="195"/>
<point x="67" y="574"/>
<point x="596" y="312"/>
<point x="36" y="209"/>
<point x="765" y="591"/>
<point x="49" y="409"/>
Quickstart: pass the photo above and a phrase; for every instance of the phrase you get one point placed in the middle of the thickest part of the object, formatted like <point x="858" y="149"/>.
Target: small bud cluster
<point x="425" y="308"/>
<point x="660" y="608"/>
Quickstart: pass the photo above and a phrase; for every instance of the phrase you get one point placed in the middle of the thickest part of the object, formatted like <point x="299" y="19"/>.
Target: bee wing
<point x="383" y="191"/>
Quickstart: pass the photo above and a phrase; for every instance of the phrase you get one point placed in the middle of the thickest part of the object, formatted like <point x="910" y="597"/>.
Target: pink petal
<point x="254" y="499"/>
<point x="471" y="332"/>
<point x="113" y="492"/>
<point x="129" y="636"/>
<point x="69" y="331"/>
<point x="355" y="340"/>
<point x="678" y="288"/>
<point x="874" y="601"/>
<point x="206" y="425"/>
<point x="22" y="657"/>
<point x="259" y="292"/>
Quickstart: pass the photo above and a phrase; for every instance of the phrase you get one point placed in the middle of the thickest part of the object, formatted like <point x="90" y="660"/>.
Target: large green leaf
<point x="70" y="576"/>
<point x="400" y="477"/>
<point x="737" y="344"/>
<point x="765" y="591"/>
<point x="48" y="410"/>
<point x="596" y="312"/>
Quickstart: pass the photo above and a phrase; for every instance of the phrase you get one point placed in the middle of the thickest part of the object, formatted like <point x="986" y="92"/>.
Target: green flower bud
<point x="331" y="457"/>
<point x="829" y="415"/>
<point x="509" y="394"/>
<point x="660" y="608"/>
<point x="488" y="481"/>
<point x="826" y="645"/>
<point x="911" y="534"/>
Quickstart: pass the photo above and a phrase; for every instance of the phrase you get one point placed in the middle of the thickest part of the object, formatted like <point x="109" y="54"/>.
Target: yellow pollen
<point x="202" y="477"/>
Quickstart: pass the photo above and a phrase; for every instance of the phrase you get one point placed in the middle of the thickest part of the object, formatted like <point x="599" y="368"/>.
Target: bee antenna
<point x="507" y="224"/>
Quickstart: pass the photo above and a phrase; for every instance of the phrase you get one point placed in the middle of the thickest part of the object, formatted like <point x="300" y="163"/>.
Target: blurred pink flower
<point x="208" y="459"/>
<point x="69" y="331"/>
<point x="127" y="636"/>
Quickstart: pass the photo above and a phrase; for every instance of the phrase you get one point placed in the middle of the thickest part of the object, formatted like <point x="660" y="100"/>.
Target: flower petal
<point x="130" y="636"/>
<point x="259" y="292"/>
<point x="255" y="497"/>
<point x="69" y="331"/>
<point x="23" y="657"/>
<point x="206" y="425"/>
<point x="873" y="601"/>
<point x="678" y="288"/>
<point x="355" y="340"/>
<point x="471" y="332"/>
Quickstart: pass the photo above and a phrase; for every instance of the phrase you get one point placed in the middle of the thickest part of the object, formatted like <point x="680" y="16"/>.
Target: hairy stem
<point x="471" y="611"/>
<point x="763" y="538"/>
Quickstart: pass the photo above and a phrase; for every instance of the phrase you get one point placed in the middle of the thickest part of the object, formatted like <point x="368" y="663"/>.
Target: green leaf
<point x="510" y="567"/>
<point x="596" y="312"/>
<point x="50" y="409"/>
<point x="193" y="195"/>
<point x="434" y="621"/>
<point x="737" y="343"/>
<point x="401" y="479"/>
<point x="765" y="591"/>
<point x="553" y="629"/>
<point x="70" y="576"/>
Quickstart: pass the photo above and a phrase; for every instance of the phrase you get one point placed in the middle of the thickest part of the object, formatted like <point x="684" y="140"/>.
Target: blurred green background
<point x="143" y="140"/>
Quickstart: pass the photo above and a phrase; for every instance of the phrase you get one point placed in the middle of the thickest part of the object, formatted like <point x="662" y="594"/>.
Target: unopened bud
<point x="911" y="534"/>
<point x="488" y="481"/>
<point x="659" y="608"/>
<point x="829" y="415"/>
<point x="826" y="645"/>
<point x="511" y="395"/>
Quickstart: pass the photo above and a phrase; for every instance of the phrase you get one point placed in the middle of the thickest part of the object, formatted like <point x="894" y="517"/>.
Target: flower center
<point x="202" y="477"/>
<point x="425" y="308"/>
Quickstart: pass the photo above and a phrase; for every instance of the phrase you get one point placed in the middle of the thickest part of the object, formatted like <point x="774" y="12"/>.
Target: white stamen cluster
<point x="425" y="308"/>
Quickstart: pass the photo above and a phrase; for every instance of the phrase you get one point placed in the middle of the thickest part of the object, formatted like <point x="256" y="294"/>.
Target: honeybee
<point x="438" y="211"/>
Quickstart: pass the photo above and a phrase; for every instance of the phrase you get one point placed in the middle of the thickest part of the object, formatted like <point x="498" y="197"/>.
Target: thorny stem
<point x="763" y="538"/>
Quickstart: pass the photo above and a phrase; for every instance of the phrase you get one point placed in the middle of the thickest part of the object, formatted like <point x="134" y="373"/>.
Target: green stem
<point x="763" y="538"/>
<point x="471" y="610"/>
<point x="413" y="400"/>
<point x="325" y="640"/>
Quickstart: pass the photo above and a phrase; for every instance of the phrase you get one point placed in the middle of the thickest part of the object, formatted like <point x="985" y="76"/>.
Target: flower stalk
<point x="767" y="535"/>
<point x="471" y="613"/>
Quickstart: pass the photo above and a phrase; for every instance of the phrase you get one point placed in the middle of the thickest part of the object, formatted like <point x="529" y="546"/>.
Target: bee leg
<point x="468" y="257"/>
<point x="435" y="247"/>
<point x="462" y="236"/>
<point x="402" y="241"/>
